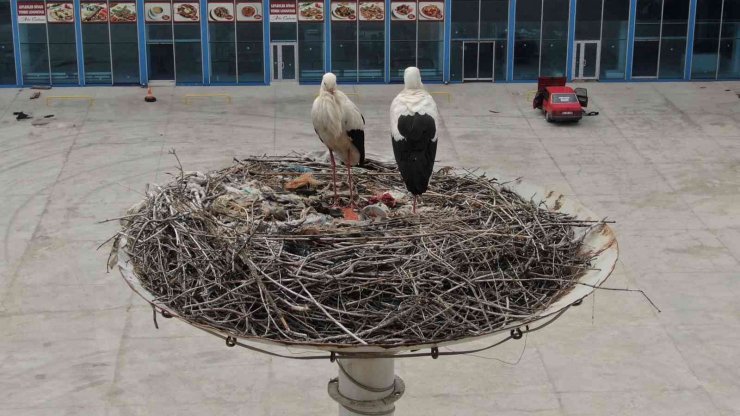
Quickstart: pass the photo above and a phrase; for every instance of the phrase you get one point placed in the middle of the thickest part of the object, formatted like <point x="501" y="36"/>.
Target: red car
<point x="559" y="102"/>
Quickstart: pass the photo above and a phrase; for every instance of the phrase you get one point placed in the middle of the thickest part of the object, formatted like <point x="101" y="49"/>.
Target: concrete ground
<point x="662" y="159"/>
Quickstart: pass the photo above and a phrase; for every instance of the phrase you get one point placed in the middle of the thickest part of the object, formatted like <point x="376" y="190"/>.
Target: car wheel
<point x="548" y="117"/>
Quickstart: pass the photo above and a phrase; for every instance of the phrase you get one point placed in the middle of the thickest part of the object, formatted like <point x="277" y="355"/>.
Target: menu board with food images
<point x="186" y="12"/>
<point x="310" y="11"/>
<point x="372" y="11"/>
<point x="283" y="11"/>
<point x="343" y="11"/>
<point x="158" y="12"/>
<point x="403" y="11"/>
<point x="221" y="12"/>
<point x="122" y="12"/>
<point x="94" y="12"/>
<point x="249" y="12"/>
<point x="431" y="10"/>
<point x="60" y="12"/>
<point x="31" y="12"/>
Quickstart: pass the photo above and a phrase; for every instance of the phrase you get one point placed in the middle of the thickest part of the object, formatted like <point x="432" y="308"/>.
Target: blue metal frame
<point x="387" y="69"/>
<point x="205" y="50"/>
<point x="266" y="41"/>
<point x="447" y="43"/>
<point x="571" y="40"/>
<point x="630" y="40"/>
<point x="78" y="41"/>
<point x="143" y="59"/>
<point x="16" y="42"/>
<point x="690" y="41"/>
<point x="327" y="37"/>
<point x="510" y="36"/>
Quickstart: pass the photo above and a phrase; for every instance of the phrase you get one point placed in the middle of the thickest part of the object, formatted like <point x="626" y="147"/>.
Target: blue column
<point x="690" y="40"/>
<point x="571" y="40"/>
<point x="143" y="66"/>
<point x="266" y="40"/>
<point x="78" y="40"/>
<point x="205" y="50"/>
<point x="510" y="35"/>
<point x="16" y="42"/>
<point x="387" y="41"/>
<point x="447" y="46"/>
<point x="631" y="39"/>
<point x="327" y="35"/>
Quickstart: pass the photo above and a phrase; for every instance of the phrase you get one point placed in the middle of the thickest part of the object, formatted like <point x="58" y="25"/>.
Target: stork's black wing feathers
<point x="357" y="137"/>
<point x="416" y="151"/>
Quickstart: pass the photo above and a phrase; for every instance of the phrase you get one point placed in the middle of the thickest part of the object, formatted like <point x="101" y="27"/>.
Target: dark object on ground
<point x="49" y="116"/>
<point x="150" y="98"/>
<point x="35" y="95"/>
<point x="41" y="87"/>
<point x="20" y="115"/>
<point x="493" y="111"/>
<point x="590" y="113"/>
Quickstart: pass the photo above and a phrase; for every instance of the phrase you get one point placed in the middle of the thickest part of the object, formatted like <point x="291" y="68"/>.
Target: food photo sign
<point x="431" y="10"/>
<point x="403" y="11"/>
<point x="310" y="11"/>
<point x="158" y="12"/>
<point x="93" y="12"/>
<point x="283" y="11"/>
<point x="343" y="11"/>
<point x="372" y="11"/>
<point x="221" y="12"/>
<point x="186" y="12"/>
<point x="31" y="12"/>
<point x="124" y="12"/>
<point x="249" y="12"/>
<point x="60" y="12"/>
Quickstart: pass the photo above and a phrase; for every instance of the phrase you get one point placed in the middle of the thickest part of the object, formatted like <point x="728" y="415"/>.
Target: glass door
<point x="479" y="61"/>
<point x="586" y="59"/>
<point x="284" y="61"/>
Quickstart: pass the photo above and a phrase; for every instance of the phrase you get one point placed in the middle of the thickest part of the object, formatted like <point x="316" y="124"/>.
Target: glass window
<point x="310" y="51"/>
<point x="554" y="37"/>
<point x="160" y="50"/>
<point x="34" y="52"/>
<point x="403" y="46"/>
<point x="527" y="45"/>
<point x="645" y="60"/>
<point x="564" y="98"/>
<point x="729" y="47"/>
<point x="647" y="22"/>
<point x="494" y="19"/>
<point x="124" y="43"/>
<point x="616" y="19"/>
<point x="675" y="18"/>
<point x="614" y="39"/>
<point x="188" y="59"/>
<point x="465" y="19"/>
<point x="344" y="48"/>
<point x="588" y="19"/>
<point x="456" y="64"/>
<point x="250" y="54"/>
<point x="7" y="61"/>
<point x="371" y="51"/>
<point x="222" y="42"/>
<point x="62" y="52"/>
<point x="283" y="32"/>
<point x="96" y="43"/>
<point x="672" y="54"/>
<point x="430" y="50"/>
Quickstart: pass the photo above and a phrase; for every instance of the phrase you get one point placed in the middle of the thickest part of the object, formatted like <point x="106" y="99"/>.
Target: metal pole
<point x="366" y="387"/>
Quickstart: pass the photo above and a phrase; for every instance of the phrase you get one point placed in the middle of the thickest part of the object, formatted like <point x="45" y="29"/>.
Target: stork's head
<point x="412" y="78"/>
<point x="329" y="82"/>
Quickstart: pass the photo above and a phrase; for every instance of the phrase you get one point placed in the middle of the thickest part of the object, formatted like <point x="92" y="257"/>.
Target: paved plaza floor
<point x="661" y="159"/>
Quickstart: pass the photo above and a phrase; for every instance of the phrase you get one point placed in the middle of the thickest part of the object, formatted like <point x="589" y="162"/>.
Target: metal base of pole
<point x="366" y="387"/>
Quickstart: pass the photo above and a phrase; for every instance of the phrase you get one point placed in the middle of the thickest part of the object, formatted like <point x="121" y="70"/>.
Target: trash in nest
<point x="349" y="214"/>
<point x="297" y="168"/>
<point x="377" y="210"/>
<point x="304" y="181"/>
<point x="389" y="198"/>
<point x="20" y="115"/>
<point x="35" y="95"/>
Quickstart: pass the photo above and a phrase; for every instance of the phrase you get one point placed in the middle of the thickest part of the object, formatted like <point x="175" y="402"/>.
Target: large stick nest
<point x="234" y="250"/>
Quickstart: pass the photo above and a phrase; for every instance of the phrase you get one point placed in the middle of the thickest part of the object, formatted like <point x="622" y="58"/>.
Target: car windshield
<point x="564" y="98"/>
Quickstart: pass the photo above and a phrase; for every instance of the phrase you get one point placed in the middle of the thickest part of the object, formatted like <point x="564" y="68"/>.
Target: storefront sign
<point x="94" y="12"/>
<point x="343" y="11"/>
<point x="403" y="11"/>
<point x="60" y="12"/>
<point x="249" y="12"/>
<point x="283" y="11"/>
<point x="221" y="12"/>
<point x="122" y="12"/>
<point x="158" y="12"/>
<point x="32" y="12"/>
<point x="431" y="10"/>
<point x="372" y="11"/>
<point x="186" y="12"/>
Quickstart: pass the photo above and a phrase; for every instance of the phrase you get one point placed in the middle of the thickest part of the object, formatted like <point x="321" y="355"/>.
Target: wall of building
<point x="207" y="42"/>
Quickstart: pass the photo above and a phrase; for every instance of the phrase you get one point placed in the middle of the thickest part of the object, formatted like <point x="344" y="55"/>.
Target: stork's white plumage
<point x="340" y="126"/>
<point x="414" y="133"/>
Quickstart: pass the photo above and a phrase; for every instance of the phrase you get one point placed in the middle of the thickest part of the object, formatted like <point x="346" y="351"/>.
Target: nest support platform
<point x="366" y="387"/>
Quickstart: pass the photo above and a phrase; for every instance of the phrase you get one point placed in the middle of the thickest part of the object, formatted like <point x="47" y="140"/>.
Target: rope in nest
<point x="235" y="251"/>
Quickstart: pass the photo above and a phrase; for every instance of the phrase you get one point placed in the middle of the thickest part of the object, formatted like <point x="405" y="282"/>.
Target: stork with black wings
<point x="414" y="133"/>
<point x="341" y="127"/>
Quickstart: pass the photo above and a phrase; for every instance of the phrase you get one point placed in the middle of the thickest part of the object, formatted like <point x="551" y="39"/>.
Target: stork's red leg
<point x="334" y="177"/>
<point x="349" y="173"/>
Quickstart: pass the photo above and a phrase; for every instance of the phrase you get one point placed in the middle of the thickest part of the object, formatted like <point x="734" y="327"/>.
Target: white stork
<point x="341" y="127"/>
<point x="414" y="133"/>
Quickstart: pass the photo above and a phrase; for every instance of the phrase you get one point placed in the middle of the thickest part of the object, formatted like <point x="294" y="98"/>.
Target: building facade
<point x="252" y="42"/>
